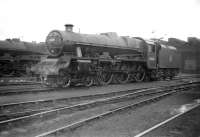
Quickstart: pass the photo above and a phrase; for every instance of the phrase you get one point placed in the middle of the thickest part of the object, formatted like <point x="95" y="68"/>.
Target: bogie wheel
<point x="49" y="82"/>
<point x="88" y="81"/>
<point x="140" y="73"/>
<point x="66" y="82"/>
<point x="63" y="80"/>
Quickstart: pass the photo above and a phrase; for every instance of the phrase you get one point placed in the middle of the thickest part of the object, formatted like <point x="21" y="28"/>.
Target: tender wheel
<point x="168" y="74"/>
<point x="163" y="76"/>
<point x="122" y="78"/>
<point x="140" y="74"/>
<point x="171" y="75"/>
<point x="89" y="81"/>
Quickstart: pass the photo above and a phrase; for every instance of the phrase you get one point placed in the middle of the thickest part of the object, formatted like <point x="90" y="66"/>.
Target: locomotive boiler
<point x="107" y="57"/>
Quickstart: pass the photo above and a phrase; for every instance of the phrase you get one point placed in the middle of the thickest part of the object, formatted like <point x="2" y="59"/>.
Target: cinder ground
<point x="78" y="91"/>
<point x="135" y="121"/>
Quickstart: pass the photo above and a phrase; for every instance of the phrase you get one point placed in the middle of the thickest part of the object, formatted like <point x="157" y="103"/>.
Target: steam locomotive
<point x="17" y="57"/>
<point x="103" y="58"/>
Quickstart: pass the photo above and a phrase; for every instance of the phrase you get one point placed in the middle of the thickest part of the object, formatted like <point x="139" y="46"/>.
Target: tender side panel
<point x="169" y="57"/>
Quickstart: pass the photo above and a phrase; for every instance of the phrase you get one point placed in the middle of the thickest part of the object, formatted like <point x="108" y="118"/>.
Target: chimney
<point x="69" y="27"/>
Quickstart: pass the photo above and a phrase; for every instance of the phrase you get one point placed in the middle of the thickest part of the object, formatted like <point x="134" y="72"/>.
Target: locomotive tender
<point x="75" y="57"/>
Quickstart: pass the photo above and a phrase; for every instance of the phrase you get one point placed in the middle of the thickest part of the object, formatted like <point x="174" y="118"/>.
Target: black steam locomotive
<point x="17" y="57"/>
<point x="104" y="58"/>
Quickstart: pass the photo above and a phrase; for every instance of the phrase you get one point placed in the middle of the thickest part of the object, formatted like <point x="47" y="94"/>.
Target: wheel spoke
<point x="105" y="78"/>
<point x="123" y="78"/>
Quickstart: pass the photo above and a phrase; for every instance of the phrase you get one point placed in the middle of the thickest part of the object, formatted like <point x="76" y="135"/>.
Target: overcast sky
<point x="32" y="20"/>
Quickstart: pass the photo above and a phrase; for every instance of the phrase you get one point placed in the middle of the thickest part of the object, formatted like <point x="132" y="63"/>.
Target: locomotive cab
<point x="153" y="49"/>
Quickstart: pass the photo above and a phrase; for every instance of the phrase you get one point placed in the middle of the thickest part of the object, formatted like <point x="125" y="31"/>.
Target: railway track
<point x="161" y="128"/>
<point x="62" y="131"/>
<point x="12" y="89"/>
<point x="11" y="81"/>
<point x="25" y="90"/>
<point x="38" y="88"/>
<point x="20" y="87"/>
<point x="3" y="84"/>
<point x="70" y="110"/>
<point x="17" y="81"/>
<point x="12" y="110"/>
